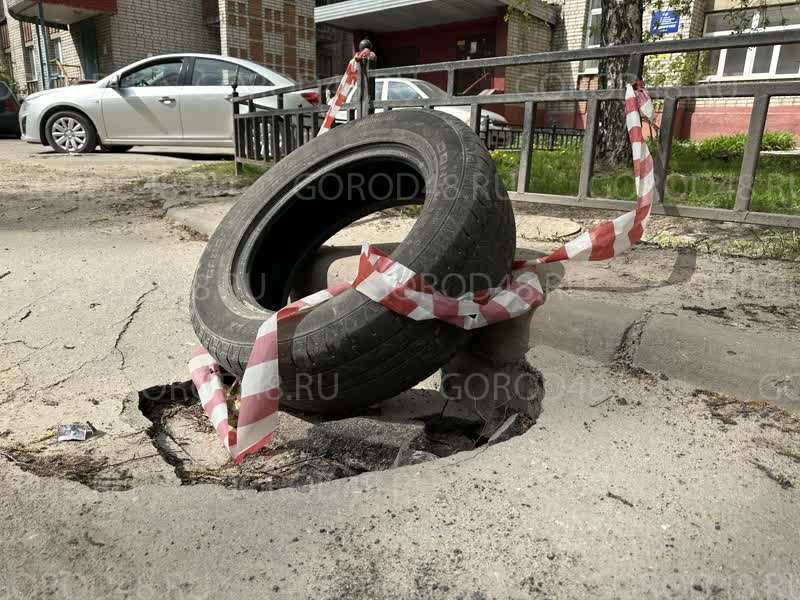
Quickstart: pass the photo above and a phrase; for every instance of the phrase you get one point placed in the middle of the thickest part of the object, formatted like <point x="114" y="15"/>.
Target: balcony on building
<point x="409" y="32"/>
<point x="59" y="13"/>
<point x="398" y="15"/>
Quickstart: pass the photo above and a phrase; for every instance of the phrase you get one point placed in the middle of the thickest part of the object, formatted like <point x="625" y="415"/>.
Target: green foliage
<point x="722" y="147"/>
<point x="554" y="172"/>
<point x="693" y="179"/>
<point x="7" y="78"/>
<point x="686" y="68"/>
<point x="779" y="140"/>
<point x="731" y="147"/>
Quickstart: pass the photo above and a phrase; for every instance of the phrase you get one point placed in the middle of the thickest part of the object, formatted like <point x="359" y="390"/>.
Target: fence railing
<point x="264" y="135"/>
<point x="544" y="138"/>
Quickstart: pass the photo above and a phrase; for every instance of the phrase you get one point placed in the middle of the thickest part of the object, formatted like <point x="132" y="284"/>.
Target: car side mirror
<point x="114" y="83"/>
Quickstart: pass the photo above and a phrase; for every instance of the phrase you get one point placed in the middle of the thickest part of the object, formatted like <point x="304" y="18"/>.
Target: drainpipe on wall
<point x="42" y="66"/>
<point x="44" y="42"/>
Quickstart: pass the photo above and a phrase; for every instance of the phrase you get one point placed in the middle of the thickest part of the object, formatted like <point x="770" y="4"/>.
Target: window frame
<point x="410" y="84"/>
<point x="32" y="73"/>
<point x="194" y="59"/>
<point x="147" y="65"/>
<point x="590" y="67"/>
<point x="747" y="70"/>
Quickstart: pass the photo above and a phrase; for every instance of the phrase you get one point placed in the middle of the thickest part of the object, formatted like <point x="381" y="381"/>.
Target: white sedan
<point x="401" y="88"/>
<point x="175" y="100"/>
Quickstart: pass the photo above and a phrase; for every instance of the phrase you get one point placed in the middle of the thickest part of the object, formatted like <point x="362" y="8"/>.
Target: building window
<point x="763" y="62"/>
<point x="29" y="58"/>
<point x="592" y="35"/>
<point x="5" y="41"/>
<point x="9" y="63"/>
<point x="27" y="32"/>
<point x="57" y="62"/>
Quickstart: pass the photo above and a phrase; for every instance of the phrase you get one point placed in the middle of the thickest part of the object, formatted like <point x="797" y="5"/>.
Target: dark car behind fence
<point x="264" y="136"/>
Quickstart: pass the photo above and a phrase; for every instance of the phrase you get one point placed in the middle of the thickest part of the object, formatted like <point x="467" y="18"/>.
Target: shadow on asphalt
<point x="180" y="154"/>
<point x="186" y="155"/>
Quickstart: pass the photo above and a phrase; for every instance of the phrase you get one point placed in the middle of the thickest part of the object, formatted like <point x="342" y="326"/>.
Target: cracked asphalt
<point x="94" y="302"/>
<point x="630" y="485"/>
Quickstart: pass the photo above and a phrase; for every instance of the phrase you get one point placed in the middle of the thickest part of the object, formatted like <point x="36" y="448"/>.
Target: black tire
<point x="115" y="149"/>
<point x="356" y="352"/>
<point x="88" y="139"/>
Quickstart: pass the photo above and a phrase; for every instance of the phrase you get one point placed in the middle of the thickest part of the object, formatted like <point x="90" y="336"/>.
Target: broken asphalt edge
<point x="711" y="356"/>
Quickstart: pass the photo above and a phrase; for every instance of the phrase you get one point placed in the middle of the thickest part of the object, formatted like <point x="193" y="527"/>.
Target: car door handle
<point x="166" y="100"/>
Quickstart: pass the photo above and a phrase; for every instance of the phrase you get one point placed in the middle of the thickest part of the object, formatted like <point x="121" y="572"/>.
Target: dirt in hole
<point x="305" y="450"/>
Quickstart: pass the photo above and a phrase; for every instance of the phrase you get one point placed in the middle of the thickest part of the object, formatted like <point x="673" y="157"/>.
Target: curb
<point x="748" y="366"/>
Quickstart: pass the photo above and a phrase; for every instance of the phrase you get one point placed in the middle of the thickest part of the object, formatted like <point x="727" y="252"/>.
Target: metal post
<point x="526" y="158"/>
<point x="636" y="66"/>
<point x="475" y="118"/>
<point x="365" y="90"/>
<point x="275" y="132"/>
<point x="46" y="65"/>
<point x="236" y="137"/>
<point x="41" y="57"/>
<point x="300" y="138"/>
<point x="752" y="149"/>
<point x="589" y="140"/>
<point x="665" y="146"/>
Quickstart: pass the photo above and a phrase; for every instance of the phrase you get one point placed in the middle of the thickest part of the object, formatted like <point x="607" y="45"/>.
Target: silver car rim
<point x="69" y="134"/>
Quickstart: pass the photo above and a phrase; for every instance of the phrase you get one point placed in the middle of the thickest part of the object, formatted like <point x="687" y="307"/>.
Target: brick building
<point x="93" y="38"/>
<point x="405" y="32"/>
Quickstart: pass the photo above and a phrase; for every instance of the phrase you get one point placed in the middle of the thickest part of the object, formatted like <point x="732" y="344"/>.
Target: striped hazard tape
<point x="403" y="291"/>
<point x="348" y="84"/>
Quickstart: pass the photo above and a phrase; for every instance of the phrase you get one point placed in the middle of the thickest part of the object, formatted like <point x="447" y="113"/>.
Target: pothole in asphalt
<point x="414" y="428"/>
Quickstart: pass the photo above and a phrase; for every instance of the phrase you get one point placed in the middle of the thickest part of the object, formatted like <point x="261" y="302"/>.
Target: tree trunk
<point x="621" y="23"/>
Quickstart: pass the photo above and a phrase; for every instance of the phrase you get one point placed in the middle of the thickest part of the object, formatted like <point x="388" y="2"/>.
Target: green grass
<point x="692" y="180"/>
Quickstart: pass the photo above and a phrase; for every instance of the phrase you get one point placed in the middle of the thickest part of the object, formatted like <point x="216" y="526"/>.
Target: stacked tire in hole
<point x="351" y="352"/>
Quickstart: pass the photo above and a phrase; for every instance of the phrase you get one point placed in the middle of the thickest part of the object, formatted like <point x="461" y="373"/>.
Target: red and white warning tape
<point x="348" y="84"/>
<point x="403" y="291"/>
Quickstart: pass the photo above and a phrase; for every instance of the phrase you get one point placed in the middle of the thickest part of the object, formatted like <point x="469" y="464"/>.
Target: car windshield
<point x="430" y="90"/>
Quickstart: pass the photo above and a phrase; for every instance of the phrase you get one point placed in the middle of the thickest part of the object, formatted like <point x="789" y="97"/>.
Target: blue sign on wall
<point x="665" y="21"/>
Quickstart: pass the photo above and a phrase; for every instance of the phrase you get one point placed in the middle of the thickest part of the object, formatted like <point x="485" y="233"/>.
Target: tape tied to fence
<point x="405" y="292"/>
<point x="348" y="84"/>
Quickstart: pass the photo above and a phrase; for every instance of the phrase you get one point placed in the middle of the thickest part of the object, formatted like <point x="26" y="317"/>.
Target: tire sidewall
<point x="212" y="279"/>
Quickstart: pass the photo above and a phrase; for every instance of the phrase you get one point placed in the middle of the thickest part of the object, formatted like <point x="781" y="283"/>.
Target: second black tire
<point x="352" y="352"/>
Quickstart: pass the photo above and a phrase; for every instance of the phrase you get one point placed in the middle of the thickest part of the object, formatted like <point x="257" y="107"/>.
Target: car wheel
<point x="352" y="352"/>
<point x="70" y="132"/>
<point x="115" y="149"/>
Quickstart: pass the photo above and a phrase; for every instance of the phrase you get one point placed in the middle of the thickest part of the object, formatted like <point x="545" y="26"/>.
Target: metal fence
<point x="547" y="139"/>
<point x="265" y="135"/>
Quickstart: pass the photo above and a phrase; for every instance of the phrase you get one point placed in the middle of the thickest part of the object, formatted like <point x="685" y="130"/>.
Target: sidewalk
<point x="727" y="324"/>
